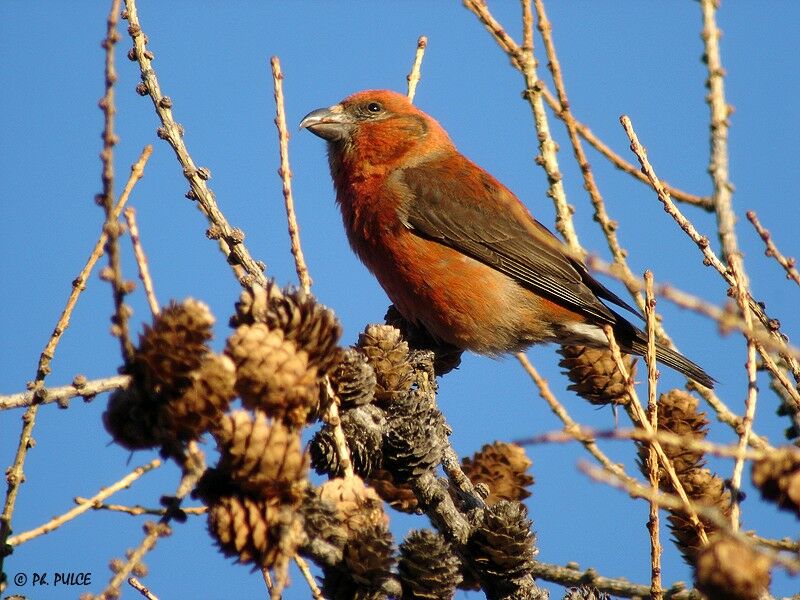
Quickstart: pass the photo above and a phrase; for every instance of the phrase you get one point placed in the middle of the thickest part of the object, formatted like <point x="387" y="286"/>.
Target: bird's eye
<point x="374" y="107"/>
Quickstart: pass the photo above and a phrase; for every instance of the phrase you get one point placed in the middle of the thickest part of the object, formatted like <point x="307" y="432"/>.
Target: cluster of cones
<point x="724" y="567"/>
<point x="396" y="436"/>
<point x="282" y="361"/>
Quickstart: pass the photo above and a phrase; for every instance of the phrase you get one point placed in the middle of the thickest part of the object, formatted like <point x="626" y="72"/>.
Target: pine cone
<point x="253" y="304"/>
<point x="399" y="496"/>
<point x="252" y="530"/>
<point x="594" y="374"/>
<point x="310" y="325"/>
<point x="777" y="475"/>
<point x="704" y="489"/>
<point x="357" y="506"/>
<point x="428" y="569"/>
<point x="363" y="429"/>
<point x="585" y="592"/>
<point x="172" y="348"/>
<point x="503" y="467"/>
<point x="446" y="356"/>
<point x="321" y="520"/>
<point x="502" y="546"/>
<point x="263" y="458"/>
<point x="387" y="353"/>
<point x="272" y="374"/>
<point x="413" y="446"/>
<point x="726" y="569"/>
<point x="367" y="564"/>
<point x="202" y="404"/>
<point x="678" y="414"/>
<point x="131" y="419"/>
<point x="353" y="379"/>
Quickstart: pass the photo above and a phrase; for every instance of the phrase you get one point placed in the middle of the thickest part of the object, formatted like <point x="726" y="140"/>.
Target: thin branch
<point x="608" y="226"/>
<point x="138" y="510"/>
<point x="571" y="428"/>
<point x="414" y="76"/>
<point x="141" y="588"/>
<point x="637" y="415"/>
<point x="672" y="502"/>
<point x="525" y="63"/>
<point x="656" y="592"/>
<point x="193" y="465"/>
<point x="788" y="264"/>
<point x="306" y="571"/>
<point x="112" y="227"/>
<point x="725" y="415"/>
<point x="80" y="386"/>
<point x="141" y="260"/>
<point x="752" y="390"/>
<point x="719" y="113"/>
<point x="702" y="242"/>
<point x="73" y="513"/>
<point x="786" y="544"/>
<point x="285" y="174"/>
<point x="620" y="163"/>
<point x="14" y="474"/>
<point x="665" y="438"/>
<point x="621" y="588"/>
<point x="331" y="417"/>
<point x="726" y="317"/>
<point x="230" y="239"/>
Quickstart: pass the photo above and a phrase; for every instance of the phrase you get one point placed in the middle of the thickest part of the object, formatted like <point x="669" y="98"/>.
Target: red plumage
<point x="453" y="248"/>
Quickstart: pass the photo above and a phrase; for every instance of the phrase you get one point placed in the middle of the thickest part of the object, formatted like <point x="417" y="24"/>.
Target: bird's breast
<point x="457" y="299"/>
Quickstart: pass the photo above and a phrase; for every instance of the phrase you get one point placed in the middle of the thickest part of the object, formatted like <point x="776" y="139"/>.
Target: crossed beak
<point x="331" y="123"/>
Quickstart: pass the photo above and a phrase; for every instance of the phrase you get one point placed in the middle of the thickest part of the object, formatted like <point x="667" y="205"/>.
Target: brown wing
<point x="457" y="204"/>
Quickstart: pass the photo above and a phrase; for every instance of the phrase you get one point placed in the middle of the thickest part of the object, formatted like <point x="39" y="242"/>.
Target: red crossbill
<point x="454" y="249"/>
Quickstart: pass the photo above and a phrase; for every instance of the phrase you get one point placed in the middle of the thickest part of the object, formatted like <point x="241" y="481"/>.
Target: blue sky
<point x="212" y="59"/>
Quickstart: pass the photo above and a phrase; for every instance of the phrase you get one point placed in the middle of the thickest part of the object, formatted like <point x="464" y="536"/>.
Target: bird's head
<point x="377" y="127"/>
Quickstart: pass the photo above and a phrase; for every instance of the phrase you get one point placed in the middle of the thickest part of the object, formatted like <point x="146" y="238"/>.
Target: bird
<point x="454" y="249"/>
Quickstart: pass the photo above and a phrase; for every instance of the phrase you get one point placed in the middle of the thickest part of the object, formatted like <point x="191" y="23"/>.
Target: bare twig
<point x="193" y="465"/>
<point x="702" y="242"/>
<point x="620" y="588"/>
<point x="14" y="474"/>
<point x="141" y="260"/>
<point x="57" y="522"/>
<point x="414" y="76"/>
<point x="138" y="510"/>
<point x="726" y="317"/>
<point x="665" y="438"/>
<point x="788" y="264"/>
<point x="564" y="111"/>
<point x="571" y="428"/>
<point x="674" y="503"/>
<point x="620" y="163"/>
<point x="752" y="390"/>
<point x="306" y="571"/>
<point x="285" y="174"/>
<point x="525" y="62"/>
<point x="80" y="386"/>
<point x="331" y="418"/>
<point x="639" y="418"/>
<point x="720" y="111"/>
<point x="267" y="579"/>
<point x="656" y="592"/>
<point x="725" y="415"/>
<point x="141" y="588"/>
<point x="106" y="198"/>
<point x="230" y="239"/>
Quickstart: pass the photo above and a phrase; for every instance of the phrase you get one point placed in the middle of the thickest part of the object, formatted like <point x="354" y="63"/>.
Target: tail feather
<point x="632" y="339"/>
